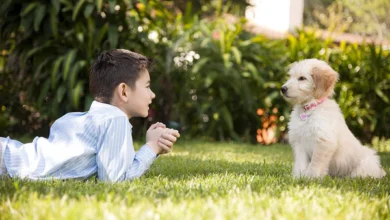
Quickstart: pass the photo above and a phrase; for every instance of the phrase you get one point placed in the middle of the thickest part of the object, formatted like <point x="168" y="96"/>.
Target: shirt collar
<point x="106" y="107"/>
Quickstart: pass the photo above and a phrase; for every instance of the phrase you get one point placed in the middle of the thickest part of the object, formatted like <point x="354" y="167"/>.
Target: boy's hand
<point x="167" y="139"/>
<point x="153" y="134"/>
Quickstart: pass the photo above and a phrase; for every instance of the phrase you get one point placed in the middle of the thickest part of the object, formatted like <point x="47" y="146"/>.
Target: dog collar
<point x="310" y="106"/>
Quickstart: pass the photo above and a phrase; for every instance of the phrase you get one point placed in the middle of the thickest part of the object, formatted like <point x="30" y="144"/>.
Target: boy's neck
<point x="119" y="104"/>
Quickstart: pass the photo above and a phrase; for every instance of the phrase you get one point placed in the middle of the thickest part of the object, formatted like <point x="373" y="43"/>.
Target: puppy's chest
<point x="302" y="131"/>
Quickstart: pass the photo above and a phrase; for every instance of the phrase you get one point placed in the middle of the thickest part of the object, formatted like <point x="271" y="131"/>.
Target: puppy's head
<point x="309" y="79"/>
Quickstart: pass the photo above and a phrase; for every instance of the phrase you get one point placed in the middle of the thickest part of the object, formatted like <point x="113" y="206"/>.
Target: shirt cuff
<point x="146" y="155"/>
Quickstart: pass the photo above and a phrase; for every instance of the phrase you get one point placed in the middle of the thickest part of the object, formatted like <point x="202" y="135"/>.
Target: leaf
<point x="75" y="70"/>
<point x="227" y="117"/>
<point x="60" y="93"/>
<point x="54" y="21"/>
<point x="56" y="5"/>
<point x="99" y="4"/>
<point x="198" y="65"/>
<point x="226" y="59"/>
<point x="237" y="54"/>
<point x="77" y="9"/>
<point x="39" y="68"/>
<point x="28" y="8"/>
<point x="4" y="7"/>
<point x="68" y="62"/>
<point x="68" y="4"/>
<point x="77" y="94"/>
<point x="111" y="4"/>
<point x="39" y="14"/>
<point x="381" y="95"/>
<point x="88" y="10"/>
<point x="54" y="71"/>
<point x="35" y="50"/>
<point x="113" y="35"/>
<point x="43" y="93"/>
<point x="224" y="93"/>
<point x="101" y="35"/>
<point x="88" y="101"/>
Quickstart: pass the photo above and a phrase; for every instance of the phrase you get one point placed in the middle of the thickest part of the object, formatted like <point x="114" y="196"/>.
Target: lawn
<point x="203" y="180"/>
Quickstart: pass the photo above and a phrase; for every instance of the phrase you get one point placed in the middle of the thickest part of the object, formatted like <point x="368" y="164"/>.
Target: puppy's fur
<point x="322" y="143"/>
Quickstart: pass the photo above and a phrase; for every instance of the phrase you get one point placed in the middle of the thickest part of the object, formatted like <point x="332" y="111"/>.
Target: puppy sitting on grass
<point x="321" y="141"/>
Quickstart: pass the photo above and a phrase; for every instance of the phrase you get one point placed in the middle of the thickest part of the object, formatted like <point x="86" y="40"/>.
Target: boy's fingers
<point x="166" y="142"/>
<point x="165" y="148"/>
<point x="175" y="133"/>
<point x="157" y="125"/>
<point x="169" y="137"/>
<point x="160" y="125"/>
<point x="153" y="126"/>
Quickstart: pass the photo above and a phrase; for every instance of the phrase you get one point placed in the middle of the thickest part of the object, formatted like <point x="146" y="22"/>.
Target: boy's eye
<point x="301" y="78"/>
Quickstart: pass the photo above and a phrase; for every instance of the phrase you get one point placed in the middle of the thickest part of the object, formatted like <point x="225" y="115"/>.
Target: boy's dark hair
<point x="112" y="68"/>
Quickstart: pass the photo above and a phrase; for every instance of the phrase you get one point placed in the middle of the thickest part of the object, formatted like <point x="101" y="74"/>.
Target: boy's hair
<point x="112" y="68"/>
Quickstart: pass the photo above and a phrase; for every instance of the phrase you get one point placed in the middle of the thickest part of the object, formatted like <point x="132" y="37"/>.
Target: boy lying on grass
<point x="82" y="144"/>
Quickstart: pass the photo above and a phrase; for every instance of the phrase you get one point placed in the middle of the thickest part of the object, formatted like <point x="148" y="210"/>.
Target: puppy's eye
<point x="301" y="78"/>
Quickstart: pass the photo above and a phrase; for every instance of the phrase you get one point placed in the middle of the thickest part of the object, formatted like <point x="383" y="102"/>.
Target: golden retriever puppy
<point x="321" y="141"/>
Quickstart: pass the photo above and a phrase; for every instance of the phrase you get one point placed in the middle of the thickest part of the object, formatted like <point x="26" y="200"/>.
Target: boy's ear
<point x="122" y="91"/>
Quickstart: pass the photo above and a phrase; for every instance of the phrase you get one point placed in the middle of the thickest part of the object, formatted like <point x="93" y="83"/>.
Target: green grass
<point x="204" y="181"/>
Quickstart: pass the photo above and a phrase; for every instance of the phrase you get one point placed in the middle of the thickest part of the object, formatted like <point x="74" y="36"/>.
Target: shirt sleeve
<point x="116" y="159"/>
<point x="142" y="162"/>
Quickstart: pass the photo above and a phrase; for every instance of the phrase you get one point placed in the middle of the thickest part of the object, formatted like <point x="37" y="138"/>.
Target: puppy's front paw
<point x="307" y="173"/>
<point x="311" y="174"/>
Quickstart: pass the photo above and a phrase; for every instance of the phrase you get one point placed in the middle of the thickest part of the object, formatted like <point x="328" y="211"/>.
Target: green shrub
<point x="212" y="78"/>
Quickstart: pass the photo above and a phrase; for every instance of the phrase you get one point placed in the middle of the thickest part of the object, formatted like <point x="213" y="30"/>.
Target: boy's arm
<point x="158" y="140"/>
<point x="142" y="161"/>
<point x="115" y="150"/>
<point x="116" y="159"/>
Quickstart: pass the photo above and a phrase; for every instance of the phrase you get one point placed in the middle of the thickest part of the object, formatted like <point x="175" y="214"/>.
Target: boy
<point x="99" y="141"/>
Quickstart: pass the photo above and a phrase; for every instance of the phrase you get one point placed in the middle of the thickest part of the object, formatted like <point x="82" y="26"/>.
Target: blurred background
<point x="218" y="65"/>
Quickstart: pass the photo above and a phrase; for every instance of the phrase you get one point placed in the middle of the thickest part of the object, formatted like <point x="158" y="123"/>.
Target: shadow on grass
<point x="182" y="167"/>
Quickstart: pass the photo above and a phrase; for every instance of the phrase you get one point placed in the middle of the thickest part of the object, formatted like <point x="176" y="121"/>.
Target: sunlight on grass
<point x="204" y="181"/>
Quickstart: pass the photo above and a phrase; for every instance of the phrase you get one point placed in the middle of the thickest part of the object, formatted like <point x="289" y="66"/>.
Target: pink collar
<point x="314" y="104"/>
<point x="310" y="106"/>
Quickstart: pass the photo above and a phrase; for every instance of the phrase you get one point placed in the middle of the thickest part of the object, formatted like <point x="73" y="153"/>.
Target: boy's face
<point x="140" y="97"/>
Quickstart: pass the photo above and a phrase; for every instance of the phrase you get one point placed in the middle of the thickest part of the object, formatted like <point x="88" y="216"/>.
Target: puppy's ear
<point x="324" y="80"/>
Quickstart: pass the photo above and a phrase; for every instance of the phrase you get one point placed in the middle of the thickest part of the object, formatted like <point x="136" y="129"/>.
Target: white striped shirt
<point x="80" y="145"/>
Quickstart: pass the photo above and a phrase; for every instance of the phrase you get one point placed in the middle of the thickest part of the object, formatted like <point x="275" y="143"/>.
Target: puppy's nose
<point x="284" y="89"/>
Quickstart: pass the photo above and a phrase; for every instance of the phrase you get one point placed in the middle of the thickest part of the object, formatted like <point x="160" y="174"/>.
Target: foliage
<point x="224" y="180"/>
<point x="51" y="45"/>
<point x="212" y="78"/>
<point x="237" y="73"/>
